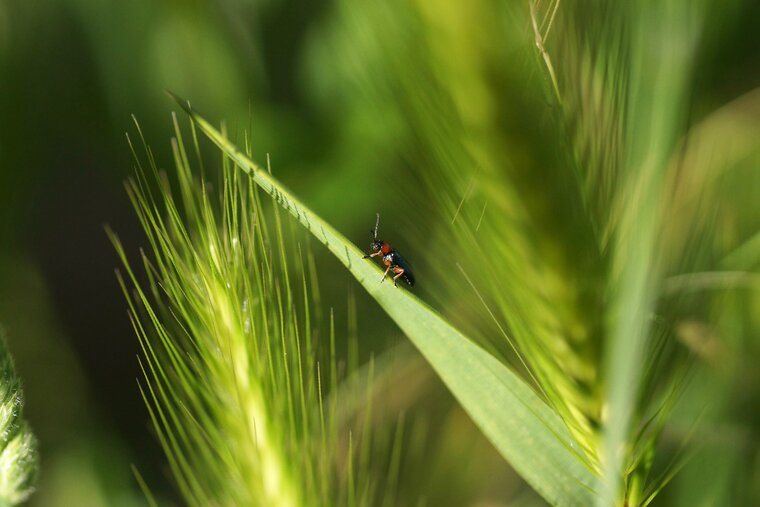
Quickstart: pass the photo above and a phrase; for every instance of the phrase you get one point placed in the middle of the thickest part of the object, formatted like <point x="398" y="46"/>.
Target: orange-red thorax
<point x="386" y="248"/>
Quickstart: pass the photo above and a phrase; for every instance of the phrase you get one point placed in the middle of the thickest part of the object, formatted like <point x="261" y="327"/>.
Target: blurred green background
<point x="338" y="93"/>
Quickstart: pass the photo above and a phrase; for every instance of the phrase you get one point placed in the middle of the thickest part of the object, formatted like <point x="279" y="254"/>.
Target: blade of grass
<point x="527" y="432"/>
<point x="656" y="101"/>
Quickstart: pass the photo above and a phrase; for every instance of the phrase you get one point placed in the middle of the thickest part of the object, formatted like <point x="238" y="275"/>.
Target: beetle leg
<point x="385" y="274"/>
<point x="400" y="272"/>
<point x="367" y="256"/>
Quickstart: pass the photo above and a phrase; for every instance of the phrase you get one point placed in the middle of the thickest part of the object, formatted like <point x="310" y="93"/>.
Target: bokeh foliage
<point x="409" y="108"/>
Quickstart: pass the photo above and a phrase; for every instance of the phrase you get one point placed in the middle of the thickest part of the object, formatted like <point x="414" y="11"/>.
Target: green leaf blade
<point x="527" y="432"/>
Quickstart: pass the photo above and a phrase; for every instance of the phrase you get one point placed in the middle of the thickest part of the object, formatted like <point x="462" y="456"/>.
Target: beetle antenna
<point x="377" y="224"/>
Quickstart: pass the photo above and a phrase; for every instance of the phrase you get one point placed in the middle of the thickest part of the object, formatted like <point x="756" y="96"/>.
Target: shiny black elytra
<point x="391" y="258"/>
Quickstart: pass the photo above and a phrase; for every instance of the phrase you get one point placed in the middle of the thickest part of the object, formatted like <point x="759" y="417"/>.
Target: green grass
<point x="570" y="269"/>
<point x="241" y="377"/>
<point x="575" y="235"/>
<point x="529" y="434"/>
<point x="18" y="445"/>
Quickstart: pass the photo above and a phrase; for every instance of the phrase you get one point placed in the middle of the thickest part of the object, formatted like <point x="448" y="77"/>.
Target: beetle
<point x="391" y="258"/>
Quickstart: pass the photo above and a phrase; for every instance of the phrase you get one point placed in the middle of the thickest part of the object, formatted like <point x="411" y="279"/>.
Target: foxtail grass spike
<point x="232" y="381"/>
